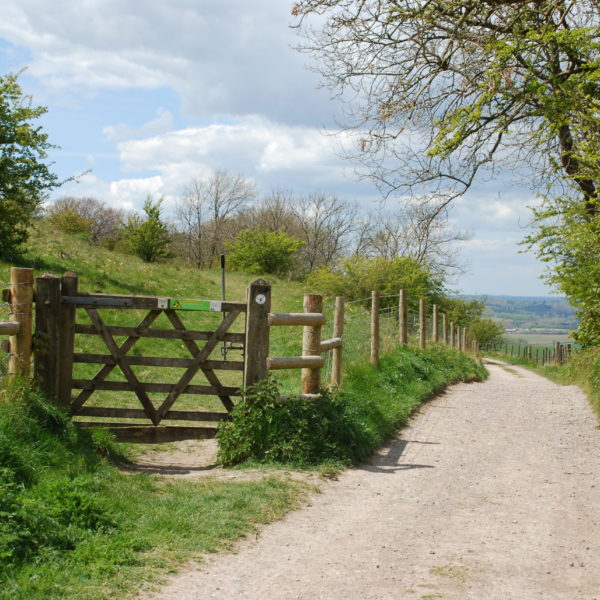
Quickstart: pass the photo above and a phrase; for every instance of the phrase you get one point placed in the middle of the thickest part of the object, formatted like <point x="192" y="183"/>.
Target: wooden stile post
<point x="47" y="319"/>
<point x="444" y="328"/>
<point x="338" y="332"/>
<point x="422" y="324"/>
<point x="434" y="337"/>
<point x="257" y="332"/>
<point x="66" y="343"/>
<point x="311" y="345"/>
<point x="21" y="301"/>
<point x="375" y="327"/>
<point x="403" y="319"/>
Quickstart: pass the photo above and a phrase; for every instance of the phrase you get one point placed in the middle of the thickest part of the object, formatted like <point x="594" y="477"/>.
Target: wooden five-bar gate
<point x="58" y="303"/>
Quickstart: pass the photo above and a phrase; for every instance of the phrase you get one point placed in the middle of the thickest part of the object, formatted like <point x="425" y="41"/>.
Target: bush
<point x="260" y="251"/>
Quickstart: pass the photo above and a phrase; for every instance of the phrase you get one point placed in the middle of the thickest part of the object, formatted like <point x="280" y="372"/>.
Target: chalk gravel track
<point x="491" y="493"/>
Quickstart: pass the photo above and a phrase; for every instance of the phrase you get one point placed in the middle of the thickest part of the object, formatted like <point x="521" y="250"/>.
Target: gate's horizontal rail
<point x="174" y="334"/>
<point x="124" y="386"/>
<point x="137" y="413"/>
<point x="153" y="435"/>
<point x="128" y="302"/>
<point x="158" y="361"/>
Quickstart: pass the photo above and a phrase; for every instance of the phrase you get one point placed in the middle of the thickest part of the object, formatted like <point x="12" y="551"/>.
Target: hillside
<point x="534" y="313"/>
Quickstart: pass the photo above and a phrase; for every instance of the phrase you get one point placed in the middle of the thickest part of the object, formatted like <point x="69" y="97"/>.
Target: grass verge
<point x="342" y="428"/>
<point x="73" y="526"/>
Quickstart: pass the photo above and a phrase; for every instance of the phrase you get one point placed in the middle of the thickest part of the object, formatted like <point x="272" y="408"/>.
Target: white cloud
<point x="220" y="57"/>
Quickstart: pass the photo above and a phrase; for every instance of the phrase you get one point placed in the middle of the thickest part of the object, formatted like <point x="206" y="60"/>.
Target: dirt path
<point x="492" y="493"/>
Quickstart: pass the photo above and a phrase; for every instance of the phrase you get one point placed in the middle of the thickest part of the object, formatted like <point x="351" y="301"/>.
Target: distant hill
<point x="534" y="313"/>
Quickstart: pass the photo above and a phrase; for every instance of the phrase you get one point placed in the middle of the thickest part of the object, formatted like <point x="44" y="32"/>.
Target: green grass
<point x="72" y="526"/>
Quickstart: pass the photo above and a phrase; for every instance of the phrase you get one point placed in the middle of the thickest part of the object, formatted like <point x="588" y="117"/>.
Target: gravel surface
<point x="491" y="493"/>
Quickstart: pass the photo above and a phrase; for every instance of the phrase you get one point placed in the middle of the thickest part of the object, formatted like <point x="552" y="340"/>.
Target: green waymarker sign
<point x="187" y="304"/>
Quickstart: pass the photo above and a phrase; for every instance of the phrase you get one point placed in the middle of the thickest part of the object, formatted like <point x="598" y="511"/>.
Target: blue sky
<point x="145" y="96"/>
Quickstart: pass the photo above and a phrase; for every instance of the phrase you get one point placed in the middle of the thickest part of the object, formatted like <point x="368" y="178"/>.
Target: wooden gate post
<point x="257" y="332"/>
<point x="422" y="324"/>
<point x="66" y="343"/>
<point x="434" y="337"/>
<point x="338" y="332"/>
<point x="47" y="313"/>
<point x="311" y="345"/>
<point x="374" y="327"/>
<point x="21" y="300"/>
<point x="403" y="319"/>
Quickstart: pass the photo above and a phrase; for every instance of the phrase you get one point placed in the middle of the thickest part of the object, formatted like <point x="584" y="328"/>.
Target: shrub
<point x="260" y="251"/>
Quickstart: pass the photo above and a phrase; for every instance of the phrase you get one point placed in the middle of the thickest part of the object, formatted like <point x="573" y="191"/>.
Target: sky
<point x="144" y="96"/>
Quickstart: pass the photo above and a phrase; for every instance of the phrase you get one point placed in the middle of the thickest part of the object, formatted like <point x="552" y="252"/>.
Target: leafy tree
<point x="148" y="237"/>
<point x="25" y="179"/>
<point x="461" y="311"/>
<point x="443" y="90"/>
<point x="355" y="277"/>
<point x="487" y="331"/>
<point x="260" y="251"/>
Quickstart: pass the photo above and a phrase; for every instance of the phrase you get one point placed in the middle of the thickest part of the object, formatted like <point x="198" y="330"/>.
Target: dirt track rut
<point x="491" y="493"/>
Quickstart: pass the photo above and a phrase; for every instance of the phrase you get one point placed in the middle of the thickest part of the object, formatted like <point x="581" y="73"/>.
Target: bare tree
<point x="420" y="230"/>
<point x="207" y="213"/>
<point x="326" y="224"/>
<point x="190" y="221"/>
<point x="275" y="212"/>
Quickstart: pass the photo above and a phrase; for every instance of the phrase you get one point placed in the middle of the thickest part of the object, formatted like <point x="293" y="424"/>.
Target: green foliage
<point x="72" y="526"/>
<point x="356" y="276"/>
<point x="345" y="427"/>
<point x="148" y="237"/>
<point x="568" y="238"/>
<point x="68" y="221"/>
<point x="487" y="331"/>
<point x="25" y="179"/>
<point x="461" y="311"/>
<point x="258" y="250"/>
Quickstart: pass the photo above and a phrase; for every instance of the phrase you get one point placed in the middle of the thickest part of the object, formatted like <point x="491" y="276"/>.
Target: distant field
<point x="537" y="339"/>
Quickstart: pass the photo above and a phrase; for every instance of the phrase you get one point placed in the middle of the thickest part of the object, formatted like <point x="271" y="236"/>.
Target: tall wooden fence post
<point x="257" y="332"/>
<point x="47" y="319"/>
<point x="451" y="332"/>
<point x="444" y="328"/>
<point x="311" y="345"/>
<point x="422" y="324"/>
<point x="403" y="319"/>
<point x="66" y="343"/>
<point x="434" y="337"/>
<point x="375" y="327"/>
<point x="338" y="332"/>
<point x="21" y="300"/>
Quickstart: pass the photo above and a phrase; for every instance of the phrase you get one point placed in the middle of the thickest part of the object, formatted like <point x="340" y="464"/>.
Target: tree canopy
<point x="445" y="86"/>
<point x="25" y="179"/>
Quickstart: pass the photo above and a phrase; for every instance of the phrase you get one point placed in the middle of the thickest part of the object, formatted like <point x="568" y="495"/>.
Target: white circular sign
<point x="260" y="298"/>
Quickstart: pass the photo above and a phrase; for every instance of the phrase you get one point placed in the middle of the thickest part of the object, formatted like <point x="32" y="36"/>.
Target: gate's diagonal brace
<point x="119" y="356"/>
<point x="210" y="375"/>
<point x="125" y="347"/>
<point x="199" y="356"/>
